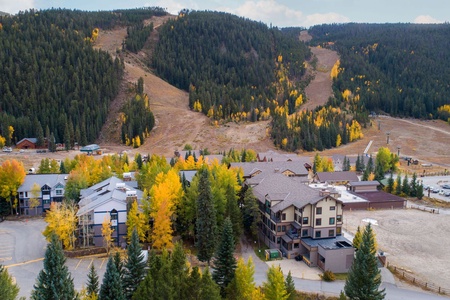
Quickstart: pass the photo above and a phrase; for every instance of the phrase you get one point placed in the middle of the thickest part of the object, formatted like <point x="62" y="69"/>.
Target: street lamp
<point x="387" y="140"/>
<point x="398" y="151"/>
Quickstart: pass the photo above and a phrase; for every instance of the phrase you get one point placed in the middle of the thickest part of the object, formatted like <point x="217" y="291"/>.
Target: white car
<point x="441" y="192"/>
<point x="7" y="149"/>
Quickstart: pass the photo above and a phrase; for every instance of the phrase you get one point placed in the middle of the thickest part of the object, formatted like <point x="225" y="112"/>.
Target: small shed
<point x="90" y="149"/>
<point x="27" y="143"/>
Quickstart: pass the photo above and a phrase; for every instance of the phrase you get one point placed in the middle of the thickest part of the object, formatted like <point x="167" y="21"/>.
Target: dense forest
<point x="53" y="82"/>
<point x="229" y="64"/>
<point x="399" y="69"/>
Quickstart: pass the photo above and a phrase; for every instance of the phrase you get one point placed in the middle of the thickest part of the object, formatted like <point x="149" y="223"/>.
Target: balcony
<point x="274" y="218"/>
<point x="293" y="234"/>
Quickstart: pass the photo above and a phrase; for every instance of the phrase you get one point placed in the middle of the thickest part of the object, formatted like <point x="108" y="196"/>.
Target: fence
<point x="424" y="208"/>
<point x="400" y="273"/>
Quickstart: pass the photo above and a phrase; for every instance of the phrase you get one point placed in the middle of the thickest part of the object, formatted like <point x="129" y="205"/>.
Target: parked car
<point x="7" y="149"/>
<point x="435" y="190"/>
<point x="447" y="194"/>
<point x="299" y="258"/>
<point x="446" y="186"/>
<point x="441" y="192"/>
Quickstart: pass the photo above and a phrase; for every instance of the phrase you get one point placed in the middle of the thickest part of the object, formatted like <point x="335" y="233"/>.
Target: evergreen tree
<point x="8" y="289"/>
<point x="251" y="214"/>
<point x="405" y="186"/>
<point x="243" y="284"/>
<point x="111" y="288"/>
<point x="209" y="289"/>
<point x="119" y="265"/>
<point x="390" y="186"/>
<point x="164" y="288"/>
<point x="398" y="187"/>
<point x="275" y="288"/>
<point x="413" y="186"/>
<point x="54" y="281"/>
<point x="370" y="165"/>
<point x="134" y="271"/>
<point x="366" y="174"/>
<point x="92" y="283"/>
<point x="180" y="272"/>
<point x="206" y="219"/>
<point x="290" y="287"/>
<point x="146" y="289"/>
<point x="364" y="277"/>
<point x="379" y="173"/>
<point x="62" y="168"/>
<point x="193" y="290"/>
<point x="138" y="160"/>
<point x="224" y="261"/>
<point x="419" y="191"/>
<point x="233" y="212"/>
<point x="358" y="164"/>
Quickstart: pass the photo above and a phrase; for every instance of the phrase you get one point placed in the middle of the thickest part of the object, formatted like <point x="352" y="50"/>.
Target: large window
<point x="283" y="217"/>
<point x="332" y="221"/>
<point x="305" y="232"/>
<point x="339" y="218"/>
<point x="331" y="232"/>
<point x="318" y="222"/>
<point x="305" y="220"/>
<point x="59" y="192"/>
<point x="318" y="210"/>
<point x="332" y="207"/>
<point x="318" y="234"/>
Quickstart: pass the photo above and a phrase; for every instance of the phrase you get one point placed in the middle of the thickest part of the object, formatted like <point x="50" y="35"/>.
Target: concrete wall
<point x="337" y="260"/>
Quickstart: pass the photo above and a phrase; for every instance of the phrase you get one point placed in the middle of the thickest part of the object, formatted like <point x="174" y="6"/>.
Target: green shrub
<point x="328" y="276"/>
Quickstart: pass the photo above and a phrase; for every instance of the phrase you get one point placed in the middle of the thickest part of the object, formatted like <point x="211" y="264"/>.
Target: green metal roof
<point x="90" y="148"/>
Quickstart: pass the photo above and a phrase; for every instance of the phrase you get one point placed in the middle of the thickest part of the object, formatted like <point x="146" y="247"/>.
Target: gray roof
<point x="329" y="243"/>
<point x="104" y="192"/>
<point x="337" y="176"/>
<point x="289" y="190"/>
<point x="41" y="179"/>
<point x="364" y="183"/>
<point x="277" y="157"/>
<point x="188" y="174"/>
<point x="297" y="167"/>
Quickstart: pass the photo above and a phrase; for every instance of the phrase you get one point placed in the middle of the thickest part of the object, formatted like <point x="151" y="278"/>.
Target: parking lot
<point x="437" y="183"/>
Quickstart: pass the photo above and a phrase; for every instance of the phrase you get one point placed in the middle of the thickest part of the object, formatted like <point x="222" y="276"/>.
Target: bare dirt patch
<point x="415" y="240"/>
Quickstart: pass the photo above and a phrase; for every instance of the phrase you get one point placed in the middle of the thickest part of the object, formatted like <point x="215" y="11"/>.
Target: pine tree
<point x="405" y="185"/>
<point x="224" y="260"/>
<point x="290" y="287"/>
<point x="419" y="191"/>
<point x="364" y="277"/>
<point x="366" y="175"/>
<point x="146" y="289"/>
<point x="390" y="186"/>
<point x="358" y="164"/>
<point x="275" y="288"/>
<point x="413" y="186"/>
<point x="164" y="288"/>
<point x="206" y="219"/>
<point x="119" y="265"/>
<point x="92" y="283"/>
<point x="233" y="212"/>
<point x="193" y="290"/>
<point x="209" y="289"/>
<point x="379" y="173"/>
<point x="54" y="281"/>
<point x="111" y="288"/>
<point x="398" y="187"/>
<point x="370" y="165"/>
<point x="134" y="271"/>
<point x="8" y="289"/>
<point x="179" y="269"/>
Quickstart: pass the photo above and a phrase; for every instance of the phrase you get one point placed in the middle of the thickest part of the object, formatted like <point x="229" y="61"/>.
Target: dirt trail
<point x="320" y="88"/>
<point x="176" y="124"/>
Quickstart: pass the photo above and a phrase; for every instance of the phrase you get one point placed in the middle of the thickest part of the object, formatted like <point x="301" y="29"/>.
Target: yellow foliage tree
<point x="197" y="106"/>
<point x="136" y="220"/>
<point x="2" y="142"/>
<point x="62" y="220"/>
<point x="107" y="233"/>
<point x="335" y="70"/>
<point x="35" y="195"/>
<point x="338" y="140"/>
<point x="12" y="175"/>
<point x="162" y="226"/>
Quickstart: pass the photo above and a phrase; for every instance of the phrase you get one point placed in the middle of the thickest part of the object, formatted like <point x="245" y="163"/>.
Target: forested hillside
<point x="53" y="82"/>
<point x="234" y="68"/>
<point x="399" y="69"/>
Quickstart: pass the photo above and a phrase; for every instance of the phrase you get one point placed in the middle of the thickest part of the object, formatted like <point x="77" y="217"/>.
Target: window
<point x="331" y="221"/>
<point x="296" y="245"/>
<point x="26" y="194"/>
<point x="318" y="222"/>
<point x="283" y="217"/>
<point x="305" y="232"/>
<point x="46" y="201"/>
<point x="318" y="234"/>
<point x="295" y="218"/>
<point x="332" y="207"/>
<point x="278" y="240"/>
<point x="283" y="228"/>
<point x="339" y="218"/>
<point x="59" y="192"/>
<point x="305" y="220"/>
<point x="278" y="228"/>
<point x="318" y="210"/>
<point x="331" y="232"/>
